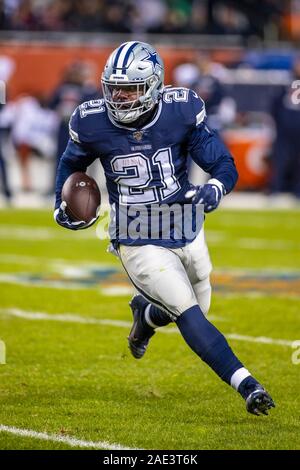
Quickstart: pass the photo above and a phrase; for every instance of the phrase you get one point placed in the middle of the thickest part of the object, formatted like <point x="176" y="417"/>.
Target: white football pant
<point x="172" y="279"/>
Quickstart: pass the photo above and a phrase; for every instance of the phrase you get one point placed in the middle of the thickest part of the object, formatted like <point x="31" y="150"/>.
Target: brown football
<point x="82" y="195"/>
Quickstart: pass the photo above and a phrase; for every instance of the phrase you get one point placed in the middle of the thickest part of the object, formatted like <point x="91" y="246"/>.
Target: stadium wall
<point x="39" y="68"/>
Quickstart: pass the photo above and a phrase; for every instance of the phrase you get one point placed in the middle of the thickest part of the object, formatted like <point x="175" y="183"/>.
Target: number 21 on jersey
<point x="135" y="175"/>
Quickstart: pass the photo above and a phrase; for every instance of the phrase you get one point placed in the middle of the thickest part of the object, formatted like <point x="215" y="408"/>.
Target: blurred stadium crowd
<point x="249" y="101"/>
<point x="243" y="17"/>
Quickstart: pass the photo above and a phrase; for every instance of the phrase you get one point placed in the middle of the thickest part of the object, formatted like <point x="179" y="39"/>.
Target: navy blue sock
<point x="208" y="343"/>
<point x="156" y="316"/>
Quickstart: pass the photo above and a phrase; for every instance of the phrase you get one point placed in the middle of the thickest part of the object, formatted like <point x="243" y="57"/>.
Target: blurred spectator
<point x="90" y="13"/>
<point x="148" y="15"/>
<point x="3" y="172"/>
<point x="7" y="67"/>
<point x="220" y="108"/>
<point x="202" y="77"/>
<point x="286" y="152"/>
<point x="24" y="17"/>
<point x="186" y="75"/>
<point x="114" y="18"/>
<point x="199" y="19"/>
<point x="4" y="17"/>
<point x="245" y="17"/>
<point x="56" y="15"/>
<point x="33" y="128"/>
<point x="76" y="87"/>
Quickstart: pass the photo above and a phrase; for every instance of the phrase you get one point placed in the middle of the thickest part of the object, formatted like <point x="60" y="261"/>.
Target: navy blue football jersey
<point x="147" y="167"/>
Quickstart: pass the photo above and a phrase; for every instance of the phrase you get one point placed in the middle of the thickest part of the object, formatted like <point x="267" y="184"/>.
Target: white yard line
<point x="70" y="441"/>
<point x="65" y="317"/>
<point x="72" y="318"/>
<point x="249" y="339"/>
<point x="260" y="339"/>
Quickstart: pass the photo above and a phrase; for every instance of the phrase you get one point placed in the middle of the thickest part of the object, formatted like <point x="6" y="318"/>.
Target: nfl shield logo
<point x="138" y="135"/>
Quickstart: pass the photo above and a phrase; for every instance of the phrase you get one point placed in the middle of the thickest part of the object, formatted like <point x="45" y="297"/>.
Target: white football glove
<point x="62" y="218"/>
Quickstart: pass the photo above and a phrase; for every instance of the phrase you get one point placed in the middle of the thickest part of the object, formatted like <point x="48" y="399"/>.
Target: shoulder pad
<point x="191" y="105"/>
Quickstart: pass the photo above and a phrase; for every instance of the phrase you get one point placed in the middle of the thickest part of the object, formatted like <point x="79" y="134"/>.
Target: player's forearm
<point x="225" y="171"/>
<point x="66" y="167"/>
<point x="64" y="170"/>
<point x="75" y="158"/>
<point x="211" y="154"/>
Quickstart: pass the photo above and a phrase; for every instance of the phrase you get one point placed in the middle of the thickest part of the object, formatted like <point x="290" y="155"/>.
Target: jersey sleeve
<point x="207" y="149"/>
<point x="74" y="126"/>
<point x="211" y="154"/>
<point x="76" y="157"/>
<point x="87" y="122"/>
<point x="194" y="109"/>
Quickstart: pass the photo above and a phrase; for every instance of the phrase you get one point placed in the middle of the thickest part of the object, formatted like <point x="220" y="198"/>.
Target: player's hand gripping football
<point x="210" y="195"/>
<point x="62" y="218"/>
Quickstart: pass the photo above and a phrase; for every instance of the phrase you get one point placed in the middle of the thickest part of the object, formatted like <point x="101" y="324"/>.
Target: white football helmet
<point x="135" y="70"/>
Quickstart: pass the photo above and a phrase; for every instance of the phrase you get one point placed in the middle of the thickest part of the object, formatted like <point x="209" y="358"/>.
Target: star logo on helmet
<point x="152" y="57"/>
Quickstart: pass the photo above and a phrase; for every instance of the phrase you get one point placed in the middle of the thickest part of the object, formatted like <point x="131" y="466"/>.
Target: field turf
<point x="64" y="319"/>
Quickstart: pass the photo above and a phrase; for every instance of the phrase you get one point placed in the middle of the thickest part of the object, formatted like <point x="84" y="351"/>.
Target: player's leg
<point x="147" y="318"/>
<point x="160" y="276"/>
<point x="202" y="290"/>
<point x="154" y="316"/>
<point x="216" y="351"/>
<point x="196" y="260"/>
<point x="165" y="291"/>
<point x="211" y="346"/>
<point x="156" y="271"/>
<point x="143" y="327"/>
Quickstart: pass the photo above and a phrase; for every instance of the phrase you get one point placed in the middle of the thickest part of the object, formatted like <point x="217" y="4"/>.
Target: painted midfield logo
<point x="111" y="280"/>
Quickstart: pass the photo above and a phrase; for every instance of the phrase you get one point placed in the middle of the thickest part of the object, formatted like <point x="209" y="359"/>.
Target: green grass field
<point x="64" y="319"/>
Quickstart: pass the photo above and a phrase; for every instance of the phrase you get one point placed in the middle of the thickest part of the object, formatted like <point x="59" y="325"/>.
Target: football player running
<point x="142" y="132"/>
